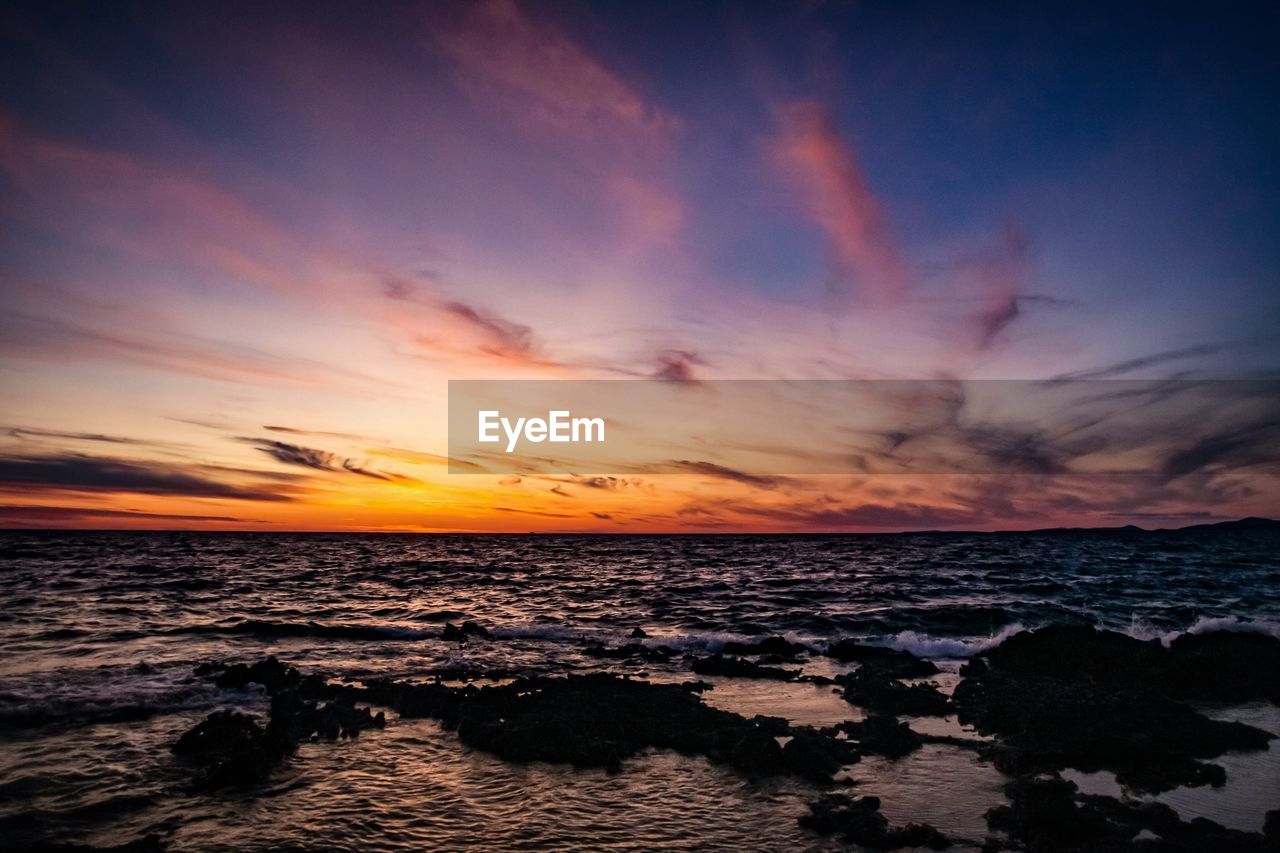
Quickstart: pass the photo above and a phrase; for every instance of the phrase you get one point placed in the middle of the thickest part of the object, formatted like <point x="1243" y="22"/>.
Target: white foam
<point x="948" y="648"/>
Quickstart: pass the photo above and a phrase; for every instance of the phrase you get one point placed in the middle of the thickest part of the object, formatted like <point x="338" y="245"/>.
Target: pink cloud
<point x="537" y="76"/>
<point x="837" y="197"/>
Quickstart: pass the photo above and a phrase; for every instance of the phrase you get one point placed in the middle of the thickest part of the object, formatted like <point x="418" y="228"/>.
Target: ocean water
<point x="100" y="633"/>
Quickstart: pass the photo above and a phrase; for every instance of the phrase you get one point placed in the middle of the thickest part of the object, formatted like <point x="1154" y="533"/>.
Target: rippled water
<point x="101" y="631"/>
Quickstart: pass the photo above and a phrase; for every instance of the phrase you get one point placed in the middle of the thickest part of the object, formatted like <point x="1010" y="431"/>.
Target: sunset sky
<point x="244" y="247"/>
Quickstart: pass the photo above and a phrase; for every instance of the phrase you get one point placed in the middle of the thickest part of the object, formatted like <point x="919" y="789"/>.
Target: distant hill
<point x="1239" y="525"/>
<point x="1269" y="524"/>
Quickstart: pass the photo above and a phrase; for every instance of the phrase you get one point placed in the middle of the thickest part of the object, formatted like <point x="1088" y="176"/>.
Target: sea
<point x="100" y="632"/>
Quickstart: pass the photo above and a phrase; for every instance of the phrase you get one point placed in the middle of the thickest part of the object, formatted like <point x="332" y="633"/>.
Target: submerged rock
<point x="780" y="646"/>
<point x="872" y="688"/>
<point x="594" y="720"/>
<point x="816" y="755"/>
<point x="466" y="630"/>
<point x="860" y="821"/>
<point x="880" y="734"/>
<point x="1050" y="815"/>
<point x="899" y="664"/>
<point x="637" y="651"/>
<point x="600" y="719"/>
<point x="739" y="668"/>
<point x="638" y="633"/>
<point x="233" y="749"/>
<point x="1056" y="698"/>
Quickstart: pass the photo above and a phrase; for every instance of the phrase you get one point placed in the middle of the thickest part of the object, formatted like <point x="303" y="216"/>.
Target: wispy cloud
<point x="533" y="73"/>
<point x="19" y="514"/>
<point x="720" y="472"/>
<point x="866" y="261"/>
<point x="74" y="472"/>
<point x="318" y="460"/>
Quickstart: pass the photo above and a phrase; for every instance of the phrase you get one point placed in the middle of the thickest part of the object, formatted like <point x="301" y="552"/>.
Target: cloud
<point x="317" y="433"/>
<point x="611" y="484"/>
<point x="541" y="513"/>
<point x="30" y="432"/>
<point x="532" y="73"/>
<point x="75" y="472"/>
<point x="56" y="340"/>
<point x="319" y="460"/>
<point x="865" y="258"/>
<point x="710" y="469"/>
<point x="879" y="516"/>
<point x="1237" y="446"/>
<point x="1153" y="360"/>
<point x="678" y="366"/>
<point x="504" y="338"/>
<point x="11" y="514"/>
<point x="999" y="276"/>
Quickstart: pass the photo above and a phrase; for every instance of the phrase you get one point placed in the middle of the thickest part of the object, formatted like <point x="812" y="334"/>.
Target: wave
<point x="1141" y="630"/>
<point x="947" y="648"/>
<point x="268" y="628"/>
<point x="111" y="694"/>
<point x="960" y="648"/>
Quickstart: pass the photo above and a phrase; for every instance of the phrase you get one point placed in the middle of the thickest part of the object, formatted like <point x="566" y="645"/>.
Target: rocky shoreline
<point x="1045" y="700"/>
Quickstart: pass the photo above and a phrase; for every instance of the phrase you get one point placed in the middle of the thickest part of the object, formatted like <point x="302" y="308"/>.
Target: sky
<point x="244" y="247"/>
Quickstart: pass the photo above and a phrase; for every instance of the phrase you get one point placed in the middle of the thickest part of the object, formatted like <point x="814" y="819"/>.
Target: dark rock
<point x="780" y="646"/>
<point x="871" y="688"/>
<point x="1271" y="828"/>
<point x="467" y="629"/>
<point x="631" y="651"/>
<point x="269" y="672"/>
<point x="739" y="668"/>
<point x="595" y="720"/>
<point x="1223" y="666"/>
<point x="880" y="734"/>
<point x="1050" y="815"/>
<point x="1067" y="697"/>
<point x="231" y="748"/>
<point x="860" y="821"/>
<point x="600" y="719"/>
<point x="893" y="662"/>
<point x="638" y="634"/>
<point x="816" y="755"/>
<point x="1220" y="666"/>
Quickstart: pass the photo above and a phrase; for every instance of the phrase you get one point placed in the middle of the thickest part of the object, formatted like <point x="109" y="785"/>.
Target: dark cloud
<point x="506" y="338"/>
<point x="317" y="433"/>
<point x="559" y="490"/>
<point x="1235" y="447"/>
<point x="711" y="469"/>
<point x="98" y="473"/>
<point x="1122" y="367"/>
<point x="603" y="516"/>
<point x="1017" y="450"/>
<point x="319" y="460"/>
<point x="907" y="516"/>
<point x="994" y="320"/>
<point x="609" y="484"/>
<point x="512" y="509"/>
<point x="27" y="513"/>
<point x="678" y="366"/>
<point x="31" y="432"/>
